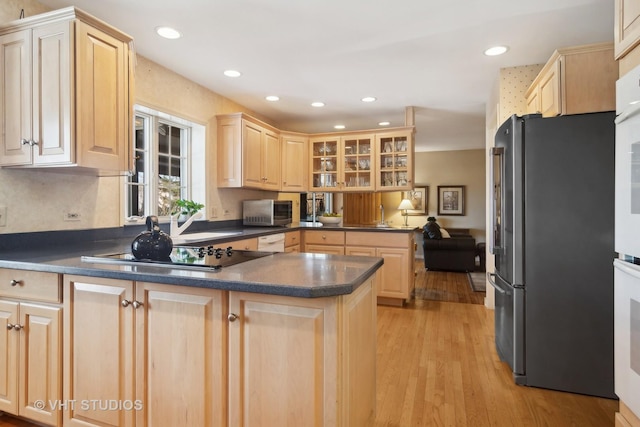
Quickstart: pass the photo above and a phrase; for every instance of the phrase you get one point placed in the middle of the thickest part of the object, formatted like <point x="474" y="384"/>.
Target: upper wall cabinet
<point x="68" y="84"/>
<point x="627" y="26"/>
<point x="248" y="153"/>
<point x="575" y="80"/>
<point x="295" y="169"/>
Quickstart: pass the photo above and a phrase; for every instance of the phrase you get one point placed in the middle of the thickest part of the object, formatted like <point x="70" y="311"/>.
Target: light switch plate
<point x="3" y="216"/>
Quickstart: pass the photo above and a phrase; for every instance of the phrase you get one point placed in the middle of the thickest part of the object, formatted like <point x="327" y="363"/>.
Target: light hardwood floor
<point x="437" y="366"/>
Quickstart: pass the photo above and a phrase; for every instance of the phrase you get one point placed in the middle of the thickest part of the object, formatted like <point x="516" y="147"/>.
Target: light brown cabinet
<point x="68" y="101"/>
<point x="396" y="283"/>
<point x="250" y="244"/>
<point x="324" y="242"/>
<point x="146" y="346"/>
<point x="292" y="241"/>
<point x="395" y="160"/>
<point x="302" y="362"/>
<point x="248" y="153"/>
<point x="179" y="355"/>
<point x="31" y="359"/>
<point x="575" y="80"/>
<point x="626" y="26"/>
<point x="295" y="169"/>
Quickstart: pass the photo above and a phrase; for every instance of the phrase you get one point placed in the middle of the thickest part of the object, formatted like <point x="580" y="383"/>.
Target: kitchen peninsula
<point x="286" y="339"/>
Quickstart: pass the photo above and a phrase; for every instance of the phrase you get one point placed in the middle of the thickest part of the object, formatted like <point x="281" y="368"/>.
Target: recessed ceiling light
<point x="496" y="50"/>
<point x="168" y="33"/>
<point x="384" y="123"/>
<point x="368" y="99"/>
<point x="339" y="126"/>
<point x="317" y="104"/>
<point x="232" y="73"/>
<point x="272" y="98"/>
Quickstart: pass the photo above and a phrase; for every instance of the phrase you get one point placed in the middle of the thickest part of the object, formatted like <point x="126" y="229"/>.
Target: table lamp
<point x="404" y="205"/>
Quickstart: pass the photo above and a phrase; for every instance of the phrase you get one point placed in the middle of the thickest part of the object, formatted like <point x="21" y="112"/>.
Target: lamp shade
<point x="406" y="204"/>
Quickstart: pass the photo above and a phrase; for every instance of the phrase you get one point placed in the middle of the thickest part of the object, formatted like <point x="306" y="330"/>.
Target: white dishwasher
<point x="271" y="243"/>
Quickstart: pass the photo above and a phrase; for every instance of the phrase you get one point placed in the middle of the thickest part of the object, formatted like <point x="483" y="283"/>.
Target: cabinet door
<point x="360" y="251"/>
<point x="324" y="249"/>
<point x="358" y="157"/>
<point x="52" y="95"/>
<point x="40" y="362"/>
<point x="395" y="280"/>
<point x="533" y="102"/>
<point x="270" y="150"/>
<point x="251" y="151"/>
<point x="282" y="361"/>
<point x="229" y="165"/>
<point x="294" y="163"/>
<point x="395" y="161"/>
<point x="98" y="350"/>
<point x="550" y="101"/>
<point x="15" y="102"/>
<point x="181" y="356"/>
<point x="9" y="338"/>
<point x="102" y="100"/>
<point x="626" y="26"/>
<point x="324" y="163"/>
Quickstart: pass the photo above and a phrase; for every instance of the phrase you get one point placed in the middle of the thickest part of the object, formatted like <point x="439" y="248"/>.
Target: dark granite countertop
<point x="291" y="274"/>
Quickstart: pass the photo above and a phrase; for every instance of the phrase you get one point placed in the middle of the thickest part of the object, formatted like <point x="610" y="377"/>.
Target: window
<point x="167" y="150"/>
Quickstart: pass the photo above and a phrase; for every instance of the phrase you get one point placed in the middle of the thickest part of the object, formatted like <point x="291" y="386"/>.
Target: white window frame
<point x="192" y="158"/>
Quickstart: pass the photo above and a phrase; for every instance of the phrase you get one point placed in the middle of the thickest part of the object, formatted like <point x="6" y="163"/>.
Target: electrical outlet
<point x="214" y="212"/>
<point x="71" y="216"/>
<point x="3" y="216"/>
<point x="226" y="212"/>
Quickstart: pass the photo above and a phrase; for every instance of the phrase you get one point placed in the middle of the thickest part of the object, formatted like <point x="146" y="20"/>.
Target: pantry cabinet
<point x="248" y="153"/>
<point x="124" y="343"/>
<point x="31" y="357"/>
<point x="68" y="100"/>
<point x="575" y="80"/>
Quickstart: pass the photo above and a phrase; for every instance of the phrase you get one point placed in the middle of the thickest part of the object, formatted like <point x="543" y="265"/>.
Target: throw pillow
<point x="445" y="233"/>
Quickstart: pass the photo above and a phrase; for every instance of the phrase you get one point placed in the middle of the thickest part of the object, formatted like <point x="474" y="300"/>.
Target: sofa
<point x="457" y="252"/>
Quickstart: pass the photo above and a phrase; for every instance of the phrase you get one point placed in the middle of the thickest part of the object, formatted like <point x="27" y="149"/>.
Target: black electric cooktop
<point x="203" y="257"/>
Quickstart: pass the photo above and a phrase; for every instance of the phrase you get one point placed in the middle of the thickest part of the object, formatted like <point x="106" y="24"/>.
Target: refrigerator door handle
<point x="493" y="282"/>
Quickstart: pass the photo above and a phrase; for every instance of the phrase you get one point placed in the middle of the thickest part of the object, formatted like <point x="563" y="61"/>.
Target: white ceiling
<point x="421" y="53"/>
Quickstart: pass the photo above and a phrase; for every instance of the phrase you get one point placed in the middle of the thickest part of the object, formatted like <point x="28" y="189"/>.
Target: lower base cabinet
<point x="143" y="354"/>
<point x="147" y="354"/>
<point x="31" y="353"/>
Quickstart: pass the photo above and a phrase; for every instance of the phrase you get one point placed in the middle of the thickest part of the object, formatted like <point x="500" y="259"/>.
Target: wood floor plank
<point x="452" y="373"/>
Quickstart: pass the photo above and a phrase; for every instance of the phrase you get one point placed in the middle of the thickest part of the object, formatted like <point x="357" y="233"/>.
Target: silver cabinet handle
<point x="32" y="143"/>
<point x="14" y="282"/>
<point x="125" y="303"/>
<point x="136" y="304"/>
<point x="9" y="326"/>
<point x="17" y="327"/>
<point x="24" y="141"/>
<point x="232" y="317"/>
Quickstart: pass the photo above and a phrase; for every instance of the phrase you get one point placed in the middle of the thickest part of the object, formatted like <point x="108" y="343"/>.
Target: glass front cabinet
<point x="395" y="159"/>
<point x="362" y="162"/>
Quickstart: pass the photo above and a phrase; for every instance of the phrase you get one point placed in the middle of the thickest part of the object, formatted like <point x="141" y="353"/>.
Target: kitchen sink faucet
<point x="176" y="230"/>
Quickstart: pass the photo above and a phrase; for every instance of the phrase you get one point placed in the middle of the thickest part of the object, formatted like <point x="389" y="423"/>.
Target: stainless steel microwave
<point x="266" y="212"/>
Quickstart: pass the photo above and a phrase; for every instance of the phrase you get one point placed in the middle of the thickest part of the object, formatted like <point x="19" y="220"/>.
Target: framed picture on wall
<point x="419" y="197"/>
<point x="451" y="200"/>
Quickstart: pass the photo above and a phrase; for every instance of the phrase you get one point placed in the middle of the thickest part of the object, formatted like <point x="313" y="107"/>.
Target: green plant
<point x="187" y="207"/>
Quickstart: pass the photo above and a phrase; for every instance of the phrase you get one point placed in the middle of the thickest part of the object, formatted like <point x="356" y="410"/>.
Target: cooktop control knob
<point x="229" y="251"/>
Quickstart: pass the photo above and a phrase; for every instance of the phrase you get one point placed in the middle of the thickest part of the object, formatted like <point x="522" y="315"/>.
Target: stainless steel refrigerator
<point x="552" y="237"/>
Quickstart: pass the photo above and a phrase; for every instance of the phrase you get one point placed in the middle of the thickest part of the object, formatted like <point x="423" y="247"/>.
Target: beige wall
<point x="434" y="168"/>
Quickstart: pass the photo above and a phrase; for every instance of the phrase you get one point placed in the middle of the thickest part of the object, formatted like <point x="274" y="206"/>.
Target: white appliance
<point x="627" y="241"/>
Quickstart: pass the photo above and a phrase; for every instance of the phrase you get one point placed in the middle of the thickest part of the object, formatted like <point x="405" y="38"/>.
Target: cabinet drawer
<point x="291" y="238"/>
<point x="377" y="239"/>
<point x="245" y="244"/>
<point x="30" y="285"/>
<point x="318" y="237"/>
